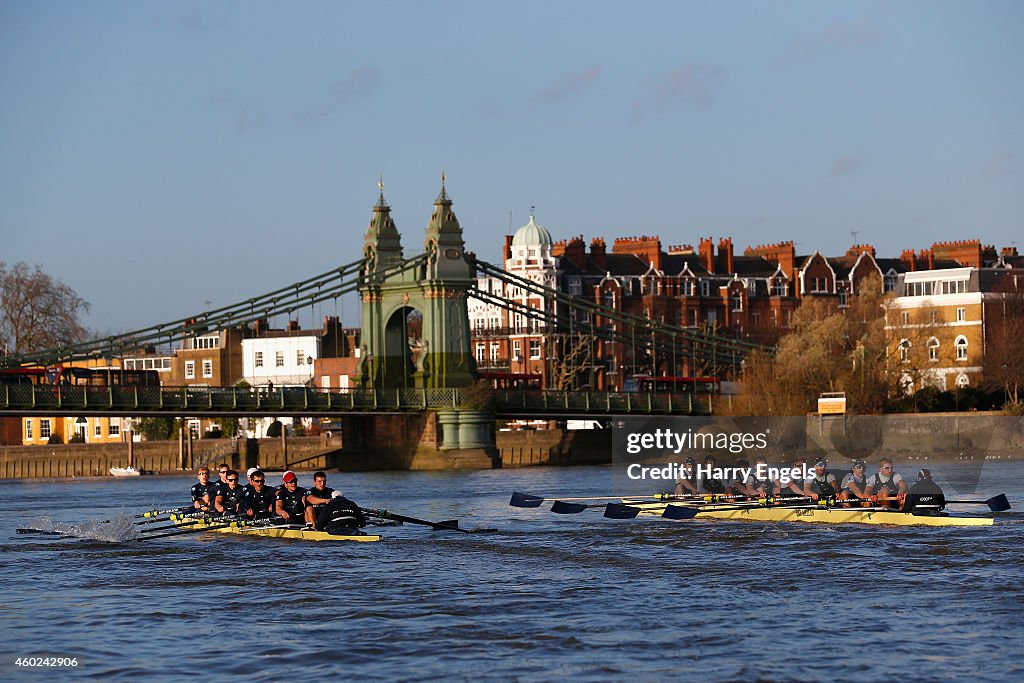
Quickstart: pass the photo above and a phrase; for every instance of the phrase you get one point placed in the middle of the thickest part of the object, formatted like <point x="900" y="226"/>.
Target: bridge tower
<point x="415" y="325"/>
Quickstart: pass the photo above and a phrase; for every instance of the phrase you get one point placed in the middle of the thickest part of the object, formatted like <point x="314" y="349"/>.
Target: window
<point x="705" y="288"/>
<point x="905" y="317"/>
<point x="575" y="286"/>
<point x="933" y="349"/>
<point x="905" y="351"/>
<point x="517" y="349"/>
<point x="843" y="298"/>
<point x="190" y="369"/>
<point x="28" y="430"/>
<point x="609" y="299"/>
<point x="961" y="347"/>
<point x="300" y="357"/>
<point x="114" y="427"/>
<point x="961" y="315"/>
<point x="207" y="368"/>
<point x="779" y="286"/>
<point x="480" y="349"/>
<point x="962" y="382"/>
<point x="44" y="428"/>
<point x="193" y="428"/>
<point x="890" y="282"/>
<point x="97" y="428"/>
<point x="279" y="359"/>
<point x="494" y="352"/>
<point x="737" y="301"/>
<point x="712" y="318"/>
<point x="535" y="348"/>
<point x="259" y="359"/>
<point x="325" y="382"/>
<point x="755" y="318"/>
<point x="206" y="343"/>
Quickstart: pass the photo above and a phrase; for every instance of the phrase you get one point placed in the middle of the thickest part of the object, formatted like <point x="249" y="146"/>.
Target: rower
<point x="291" y="500"/>
<point x="760" y="485"/>
<point x="220" y="483"/>
<point x="738" y="484"/>
<point x="925" y="496"/>
<point x="687" y="482"/>
<point x="709" y="484"/>
<point x="230" y="496"/>
<point x="259" y="499"/>
<point x="886" y="485"/>
<point x="317" y="497"/>
<point x="822" y="484"/>
<point x="854" y="483"/>
<point x="795" y="486"/>
<point x="201" y="491"/>
<point x="248" y="479"/>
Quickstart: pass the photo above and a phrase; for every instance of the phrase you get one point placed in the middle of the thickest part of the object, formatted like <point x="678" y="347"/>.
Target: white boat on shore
<point x="126" y="472"/>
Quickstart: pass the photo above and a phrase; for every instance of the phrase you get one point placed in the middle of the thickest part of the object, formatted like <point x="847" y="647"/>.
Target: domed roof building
<point x="532" y="234"/>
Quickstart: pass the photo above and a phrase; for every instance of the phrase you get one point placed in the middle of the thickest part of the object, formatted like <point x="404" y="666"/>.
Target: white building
<point x="281" y="357"/>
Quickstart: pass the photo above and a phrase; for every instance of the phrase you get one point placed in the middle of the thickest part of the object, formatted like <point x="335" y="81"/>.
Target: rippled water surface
<point x="543" y="597"/>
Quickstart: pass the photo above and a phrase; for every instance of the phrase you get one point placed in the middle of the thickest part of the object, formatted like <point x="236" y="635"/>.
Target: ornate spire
<point x="381" y="204"/>
<point x="382" y="245"/>
<point x="443" y="197"/>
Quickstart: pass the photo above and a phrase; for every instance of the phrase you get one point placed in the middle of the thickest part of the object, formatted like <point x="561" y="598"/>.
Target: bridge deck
<point x="300" y="401"/>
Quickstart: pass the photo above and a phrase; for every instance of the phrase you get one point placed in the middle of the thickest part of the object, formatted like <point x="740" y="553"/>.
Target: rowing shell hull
<point x="288" y="532"/>
<point x="824" y="515"/>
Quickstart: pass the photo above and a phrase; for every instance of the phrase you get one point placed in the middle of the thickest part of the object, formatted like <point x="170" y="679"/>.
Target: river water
<point x="544" y="597"/>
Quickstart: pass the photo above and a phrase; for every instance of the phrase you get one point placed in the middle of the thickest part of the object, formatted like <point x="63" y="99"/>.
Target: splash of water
<point x="117" y="530"/>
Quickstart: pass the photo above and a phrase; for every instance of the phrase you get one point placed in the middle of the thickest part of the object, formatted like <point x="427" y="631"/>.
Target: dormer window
<point x="705" y="288"/>
<point x="779" y="286"/>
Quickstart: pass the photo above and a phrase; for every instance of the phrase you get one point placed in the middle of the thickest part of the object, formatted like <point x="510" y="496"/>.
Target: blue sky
<point x="158" y="155"/>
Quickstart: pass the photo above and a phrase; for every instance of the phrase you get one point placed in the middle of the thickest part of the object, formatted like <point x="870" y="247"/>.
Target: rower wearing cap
<point x="230" y="496"/>
<point x="886" y="485"/>
<point x="317" y="497"/>
<point x="687" y="482"/>
<point x="854" y="483"/>
<point x="259" y="499"/>
<point x="291" y="500"/>
<point x="248" y="479"/>
<point x="822" y="484"/>
<point x="201" y="490"/>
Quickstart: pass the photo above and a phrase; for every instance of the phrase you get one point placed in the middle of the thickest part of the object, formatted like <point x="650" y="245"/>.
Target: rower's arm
<point x="218" y="504"/>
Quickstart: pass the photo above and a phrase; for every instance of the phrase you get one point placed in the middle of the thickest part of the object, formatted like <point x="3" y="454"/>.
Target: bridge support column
<point x="476" y="429"/>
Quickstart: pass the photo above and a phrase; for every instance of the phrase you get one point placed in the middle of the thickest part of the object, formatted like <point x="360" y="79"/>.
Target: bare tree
<point x="570" y="360"/>
<point x="1004" y="360"/>
<point x="36" y="311"/>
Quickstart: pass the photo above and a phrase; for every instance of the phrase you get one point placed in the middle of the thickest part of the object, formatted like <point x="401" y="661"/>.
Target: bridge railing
<point x="55" y="400"/>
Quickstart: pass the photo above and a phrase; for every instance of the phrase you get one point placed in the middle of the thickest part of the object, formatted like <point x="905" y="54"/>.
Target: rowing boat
<point x="820" y="515"/>
<point x="295" y="532"/>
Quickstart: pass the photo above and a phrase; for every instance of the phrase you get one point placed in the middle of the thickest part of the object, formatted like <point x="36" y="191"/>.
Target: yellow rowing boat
<point x="293" y="532"/>
<point x="821" y="515"/>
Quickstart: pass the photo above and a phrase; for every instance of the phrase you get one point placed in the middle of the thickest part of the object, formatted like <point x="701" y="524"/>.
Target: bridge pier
<point x="429" y="440"/>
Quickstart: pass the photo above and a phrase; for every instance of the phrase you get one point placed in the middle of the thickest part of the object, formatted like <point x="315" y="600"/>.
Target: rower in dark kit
<point x="853" y="485"/>
<point x="340" y="514"/>
<point x="317" y="497"/>
<point x="886" y="486"/>
<point x="201" y="490"/>
<point x="247" y="486"/>
<point x="219" y="483"/>
<point x="291" y="500"/>
<point x="709" y="483"/>
<point x="925" y="495"/>
<point x="230" y="497"/>
<point x="259" y="500"/>
<point x="687" y="482"/>
<point x="822" y="484"/>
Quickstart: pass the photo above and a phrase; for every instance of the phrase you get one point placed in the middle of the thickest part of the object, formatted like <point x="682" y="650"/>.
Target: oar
<point x="189" y="522"/>
<point x="691" y="511"/>
<point x="449" y="525"/>
<point x="995" y="503"/>
<point x="191" y="531"/>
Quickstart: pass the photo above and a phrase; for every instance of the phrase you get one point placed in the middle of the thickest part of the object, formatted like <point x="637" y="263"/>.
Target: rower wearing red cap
<point x="291" y="500"/>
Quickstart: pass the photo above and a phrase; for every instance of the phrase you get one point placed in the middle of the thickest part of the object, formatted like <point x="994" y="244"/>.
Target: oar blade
<point x="620" y="511"/>
<point x="563" y="508"/>
<point x="525" y="500"/>
<point x="998" y="503"/>
<point x="680" y="512"/>
<point x="449" y="524"/>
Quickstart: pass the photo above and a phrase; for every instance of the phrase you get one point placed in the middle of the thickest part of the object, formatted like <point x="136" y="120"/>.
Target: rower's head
<point x="222" y="471"/>
<point x="922" y="475"/>
<point x="760" y="460"/>
<point x="319" y="479"/>
<point x="289" y="480"/>
<point x="203" y="473"/>
<point x="710" y="460"/>
<point x="251" y="471"/>
<point x="743" y="462"/>
<point x="256" y="479"/>
<point x="821" y="466"/>
<point x="885" y="465"/>
<point x="231" y="477"/>
<point x="858" y="466"/>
